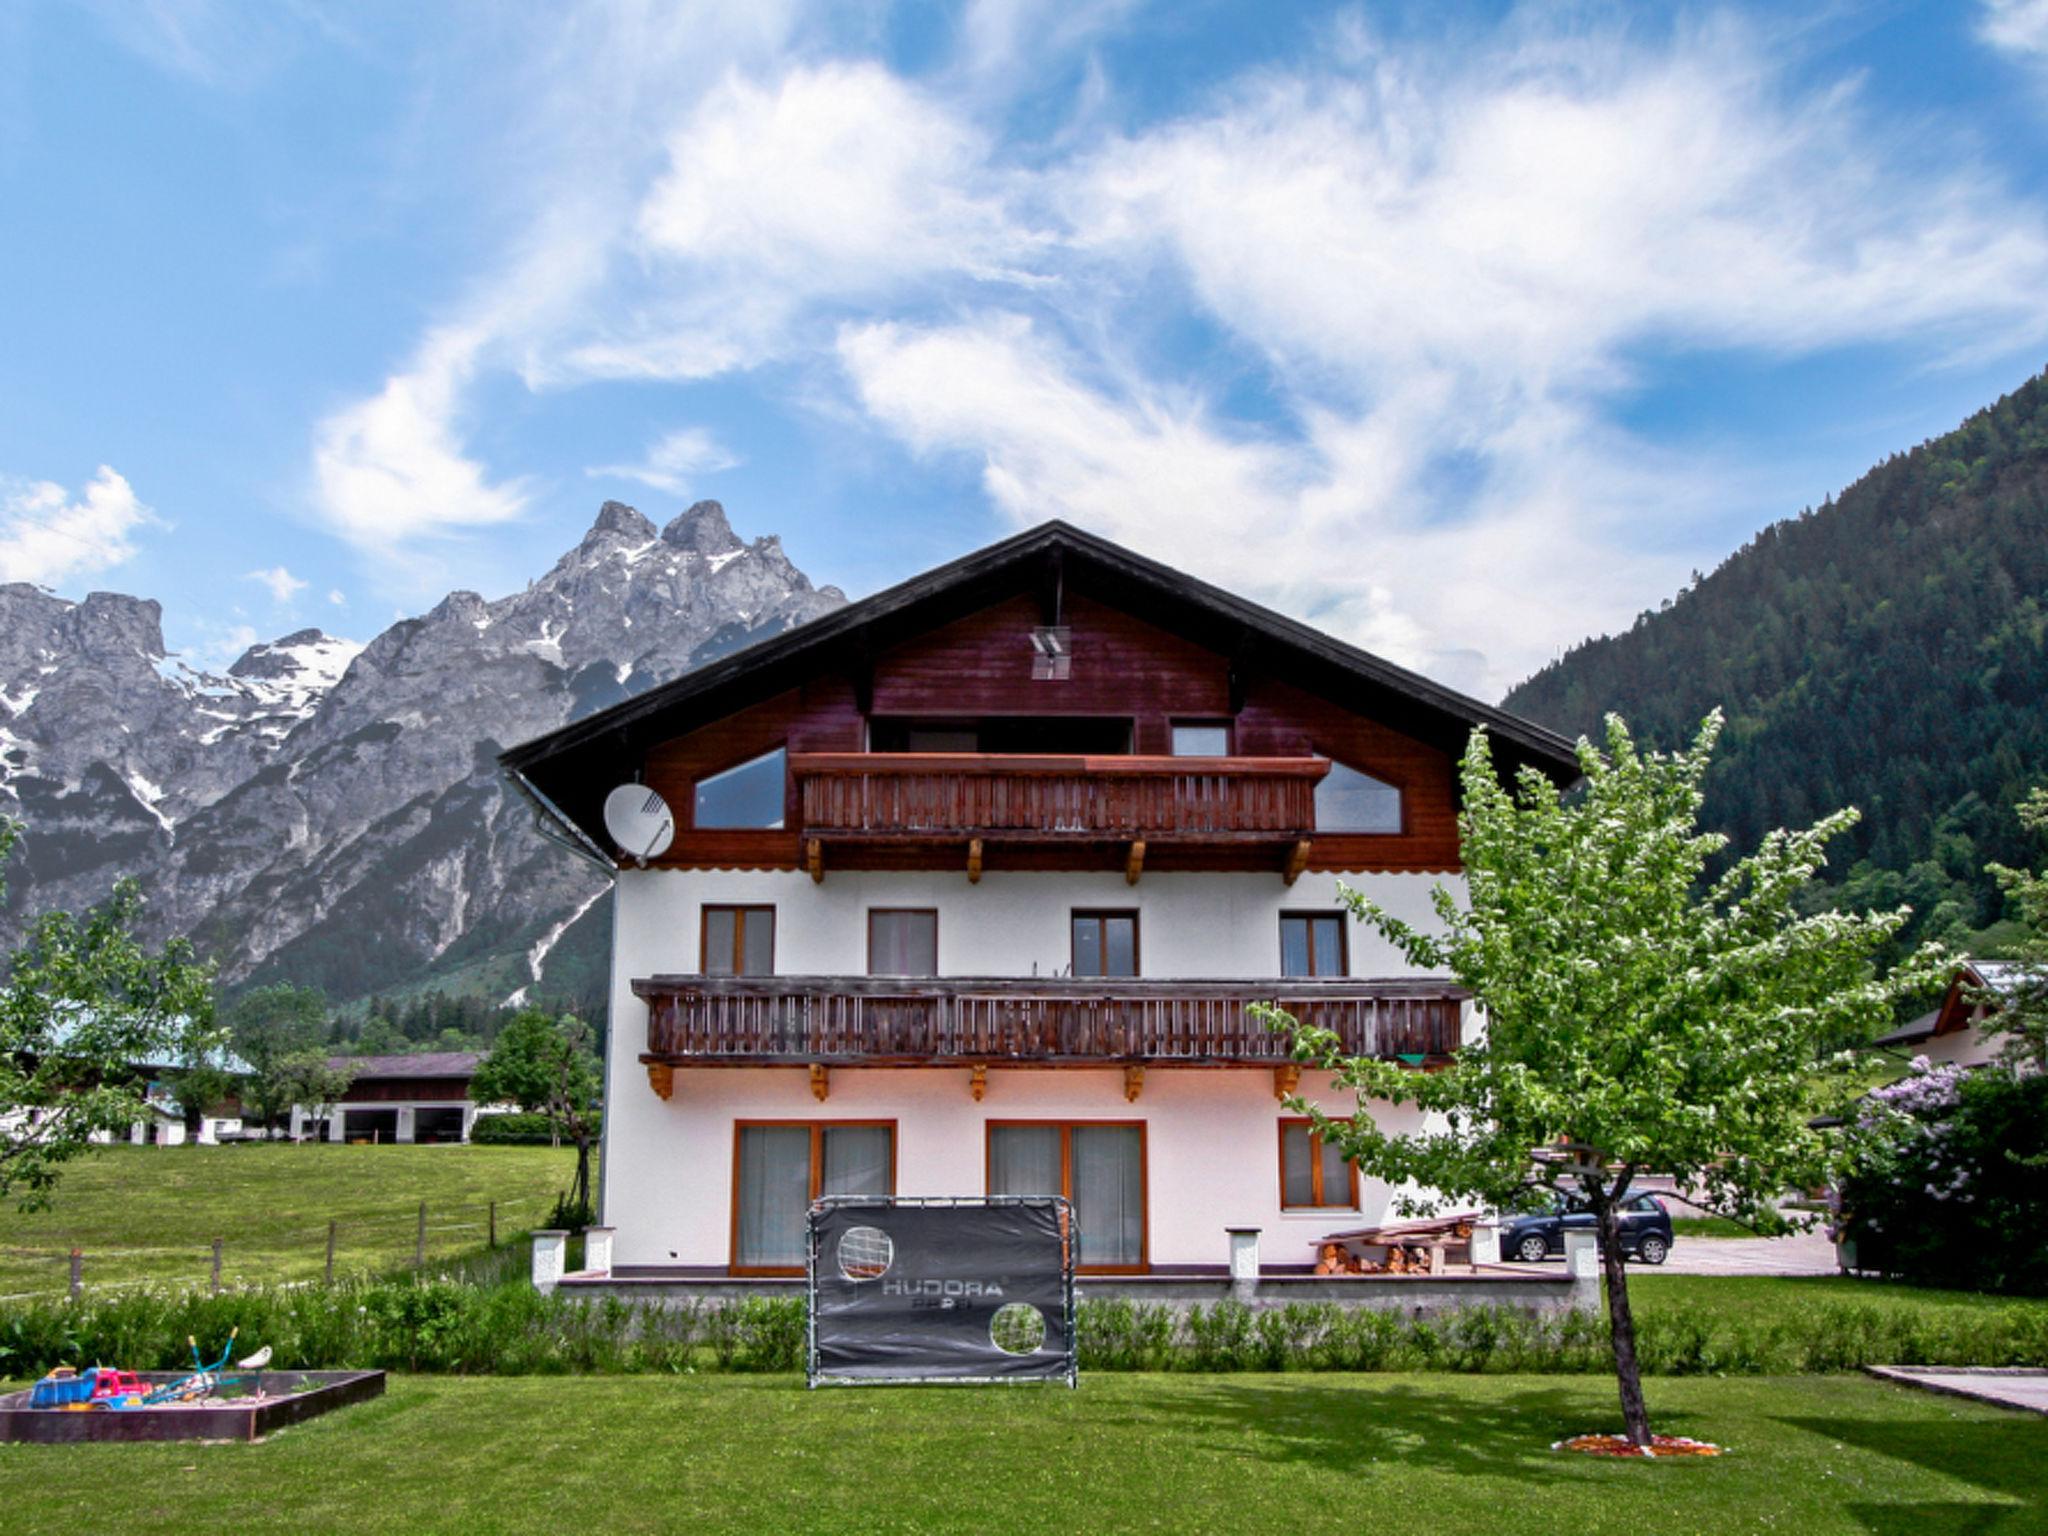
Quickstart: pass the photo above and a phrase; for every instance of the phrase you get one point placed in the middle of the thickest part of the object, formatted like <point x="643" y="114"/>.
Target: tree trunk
<point x="1621" y="1322"/>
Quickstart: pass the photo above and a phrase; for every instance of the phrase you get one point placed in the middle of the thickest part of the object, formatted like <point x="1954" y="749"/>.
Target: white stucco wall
<point x="1212" y="1139"/>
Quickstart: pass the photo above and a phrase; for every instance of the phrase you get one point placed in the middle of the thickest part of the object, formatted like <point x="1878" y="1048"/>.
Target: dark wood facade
<point x="1059" y="813"/>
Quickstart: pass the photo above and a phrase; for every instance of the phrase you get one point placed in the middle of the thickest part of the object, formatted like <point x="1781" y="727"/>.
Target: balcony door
<point x="1098" y="1165"/>
<point x="781" y="1166"/>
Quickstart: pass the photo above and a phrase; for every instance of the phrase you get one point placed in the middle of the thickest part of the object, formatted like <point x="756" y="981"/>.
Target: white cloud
<point x="2016" y="26"/>
<point x="672" y="460"/>
<point x="337" y="597"/>
<point x="47" y="536"/>
<point x="391" y="470"/>
<point x="1456" y="259"/>
<point x="281" y="583"/>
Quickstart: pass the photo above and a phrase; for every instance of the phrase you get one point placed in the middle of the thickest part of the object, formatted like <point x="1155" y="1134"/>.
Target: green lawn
<point x="1175" y="1453"/>
<point x="152" y="1212"/>
<point x="1708" y="1226"/>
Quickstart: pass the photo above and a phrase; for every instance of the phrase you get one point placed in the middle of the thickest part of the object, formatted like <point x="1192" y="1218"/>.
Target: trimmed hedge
<point x="520" y="1130"/>
<point x="506" y="1328"/>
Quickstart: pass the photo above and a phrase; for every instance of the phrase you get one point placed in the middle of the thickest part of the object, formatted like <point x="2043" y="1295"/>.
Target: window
<point x="739" y="941"/>
<point x="1350" y="801"/>
<point x="903" y="941"/>
<point x="1314" y="1175"/>
<point x="1105" y="943"/>
<point x="1099" y="1165"/>
<point x="780" y="1167"/>
<point x="1201" y="738"/>
<point x="750" y="795"/>
<point x="1312" y="944"/>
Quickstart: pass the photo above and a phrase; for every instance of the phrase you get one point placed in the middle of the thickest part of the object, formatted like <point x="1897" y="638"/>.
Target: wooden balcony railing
<point x="837" y="1020"/>
<point x="881" y="795"/>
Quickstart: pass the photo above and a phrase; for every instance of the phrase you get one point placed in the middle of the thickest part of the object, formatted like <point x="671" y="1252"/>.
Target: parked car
<point x="1645" y="1230"/>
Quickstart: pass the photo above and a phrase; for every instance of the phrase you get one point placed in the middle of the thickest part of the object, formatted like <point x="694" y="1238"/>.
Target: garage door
<point x="379" y="1125"/>
<point x="438" y="1123"/>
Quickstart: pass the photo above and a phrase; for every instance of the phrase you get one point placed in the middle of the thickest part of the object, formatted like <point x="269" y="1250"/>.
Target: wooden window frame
<point x="739" y="936"/>
<point x="1343" y="941"/>
<point x="817" y="1130"/>
<point x="1066" y="1130"/>
<point x="1075" y="914"/>
<point x="1397" y="785"/>
<point x="1228" y="726"/>
<point x="873" y="912"/>
<point x="1315" y="1167"/>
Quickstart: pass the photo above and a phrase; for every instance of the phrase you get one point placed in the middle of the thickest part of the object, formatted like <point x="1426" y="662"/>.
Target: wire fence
<point x="416" y="1237"/>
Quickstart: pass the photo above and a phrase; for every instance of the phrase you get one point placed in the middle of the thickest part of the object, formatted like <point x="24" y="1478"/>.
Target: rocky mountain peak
<point x="615" y="517"/>
<point x="702" y="530"/>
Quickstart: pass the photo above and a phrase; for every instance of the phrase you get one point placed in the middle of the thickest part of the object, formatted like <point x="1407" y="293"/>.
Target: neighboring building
<point x="971" y="886"/>
<point x="1954" y="1032"/>
<point x="423" y="1097"/>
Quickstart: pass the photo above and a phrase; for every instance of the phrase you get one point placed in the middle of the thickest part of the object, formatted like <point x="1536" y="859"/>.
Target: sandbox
<point x="287" y="1397"/>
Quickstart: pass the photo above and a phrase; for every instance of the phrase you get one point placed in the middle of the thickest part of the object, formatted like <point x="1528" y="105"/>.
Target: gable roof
<point x="572" y="767"/>
<point x="424" y="1064"/>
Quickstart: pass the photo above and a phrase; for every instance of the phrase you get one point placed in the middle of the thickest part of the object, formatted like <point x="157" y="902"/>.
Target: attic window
<point x="749" y="795"/>
<point x="1350" y="801"/>
<point x="1052" y="652"/>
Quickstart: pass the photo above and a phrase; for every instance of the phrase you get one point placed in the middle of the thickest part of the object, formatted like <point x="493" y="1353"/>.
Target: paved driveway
<point x="1802" y="1253"/>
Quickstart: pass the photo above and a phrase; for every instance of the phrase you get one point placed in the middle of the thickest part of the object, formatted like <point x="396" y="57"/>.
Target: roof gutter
<point x="557" y="828"/>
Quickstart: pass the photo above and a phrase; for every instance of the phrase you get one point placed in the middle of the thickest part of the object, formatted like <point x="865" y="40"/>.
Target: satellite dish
<point x="639" y="821"/>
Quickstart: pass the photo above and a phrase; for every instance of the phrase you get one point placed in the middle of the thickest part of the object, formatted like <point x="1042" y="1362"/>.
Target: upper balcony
<point x="971" y="798"/>
<point x="706" y="1021"/>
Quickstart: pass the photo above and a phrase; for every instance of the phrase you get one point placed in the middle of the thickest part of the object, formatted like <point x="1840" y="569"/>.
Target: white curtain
<point x="1024" y="1160"/>
<point x="856" y="1160"/>
<point x="775" y="1193"/>
<point x="1109" y="1193"/>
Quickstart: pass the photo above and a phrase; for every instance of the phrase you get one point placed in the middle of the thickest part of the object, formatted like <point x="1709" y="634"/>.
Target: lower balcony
<point x="750" y="1021"/>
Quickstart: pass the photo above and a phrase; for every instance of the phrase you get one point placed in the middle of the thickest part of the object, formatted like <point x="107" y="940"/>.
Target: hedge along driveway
<point x="1175" y="1453"/>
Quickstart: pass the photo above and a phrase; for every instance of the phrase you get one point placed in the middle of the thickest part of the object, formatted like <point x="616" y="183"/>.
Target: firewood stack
<point x="1411" y="1248"/>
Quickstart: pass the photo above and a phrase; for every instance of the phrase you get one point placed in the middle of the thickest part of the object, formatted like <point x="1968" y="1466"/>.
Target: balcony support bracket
<point x="1134" y="1083"/>
<point x="661" y="1077"/>
<point x="974" y="862"/>
<point x="1134" y="862"/>
<point x="1297" y="861"/>
<point x="977" y="1081"/>
<point x="814" y="860"/>
<point x="1285" y="1080"/>
<point x="821" y="1081"/>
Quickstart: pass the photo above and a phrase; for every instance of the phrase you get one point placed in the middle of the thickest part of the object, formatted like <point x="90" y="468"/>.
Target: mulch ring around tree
<point x="1620" y="1445"/>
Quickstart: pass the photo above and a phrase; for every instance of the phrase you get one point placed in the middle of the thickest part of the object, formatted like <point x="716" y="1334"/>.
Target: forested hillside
<point x="1888" y="651"/>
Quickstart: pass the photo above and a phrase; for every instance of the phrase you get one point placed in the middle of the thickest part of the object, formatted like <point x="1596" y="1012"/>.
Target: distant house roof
<point x="574" y="766"/>
<point x="424" y="1064"/>
<point x="1963" y="1007"/>
<point x="1920" y="1029"/>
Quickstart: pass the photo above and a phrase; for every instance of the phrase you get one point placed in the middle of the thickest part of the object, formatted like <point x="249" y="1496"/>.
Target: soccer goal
<point x="952" y="1290"/>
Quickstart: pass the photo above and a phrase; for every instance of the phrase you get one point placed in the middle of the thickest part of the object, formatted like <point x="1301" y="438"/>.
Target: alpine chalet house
<point x="969" y="889"/>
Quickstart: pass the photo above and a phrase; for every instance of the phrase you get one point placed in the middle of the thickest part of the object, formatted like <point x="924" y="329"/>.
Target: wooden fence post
<point x="330" y="1253"/>
<point x="77" y="1273"/>
<point x="419" y="1247"/>
<point x="494" y="1225"/>
<point x="216" y="1266"/>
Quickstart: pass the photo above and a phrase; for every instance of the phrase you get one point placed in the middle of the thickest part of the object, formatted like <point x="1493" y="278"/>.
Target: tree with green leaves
<point x="308" y="1078"/>
<point x="84" y="1008"/>
<point x="2020" y="1014"/>
<point x="1641" y="1014"/>
<point x="273" y="1029"/>
<point x="543" y="1063"/>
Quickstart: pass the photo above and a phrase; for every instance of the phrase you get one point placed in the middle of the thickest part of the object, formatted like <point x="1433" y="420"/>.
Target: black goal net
<point x="941" y="1290"/>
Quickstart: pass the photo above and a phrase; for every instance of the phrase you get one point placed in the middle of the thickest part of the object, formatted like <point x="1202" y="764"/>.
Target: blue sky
<point x="1464" y="331"/>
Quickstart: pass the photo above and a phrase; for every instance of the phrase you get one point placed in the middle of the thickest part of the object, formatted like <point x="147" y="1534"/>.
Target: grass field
<point x="151" y="1213"/>
<point x="1443" y="1454"/>
<point x="1708" y="1226"/>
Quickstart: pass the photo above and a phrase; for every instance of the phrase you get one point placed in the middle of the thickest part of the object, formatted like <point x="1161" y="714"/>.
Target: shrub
<point x="518" y="1129"/>
<point x="1948" y="1179"/>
